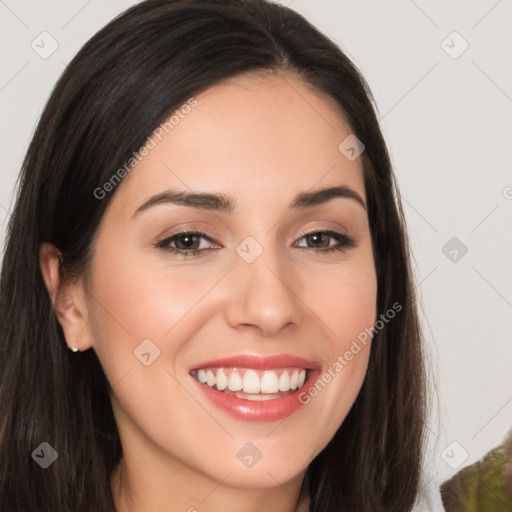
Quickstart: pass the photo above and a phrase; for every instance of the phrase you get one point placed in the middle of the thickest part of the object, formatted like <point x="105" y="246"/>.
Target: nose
<point x="264" y="295"/>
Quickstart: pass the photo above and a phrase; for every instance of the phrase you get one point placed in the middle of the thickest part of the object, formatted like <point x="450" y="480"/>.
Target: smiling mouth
<point x="253" y="384"/>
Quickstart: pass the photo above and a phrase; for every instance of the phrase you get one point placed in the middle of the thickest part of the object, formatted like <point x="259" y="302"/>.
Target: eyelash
<point x="344" y="242"/>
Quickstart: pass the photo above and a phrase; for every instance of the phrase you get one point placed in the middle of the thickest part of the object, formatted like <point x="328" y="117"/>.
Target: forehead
<point x="252" y="137"/>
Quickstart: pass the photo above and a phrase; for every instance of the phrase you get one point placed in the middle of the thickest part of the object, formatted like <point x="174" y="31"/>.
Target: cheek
<point x="346" y="304"/>
<point x="135" y="301"/>
<point x="147" y="301"/>
<point x="345" y="299"/>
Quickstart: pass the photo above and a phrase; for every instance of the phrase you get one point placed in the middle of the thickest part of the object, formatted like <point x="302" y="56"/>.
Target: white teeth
<point x="251" y="382"/>
<point x="301" y="379"/>
<point x="235" y="382"/>
<point x="269" y="383"/>
<point x="210" y="378"/>
<point x="222" y="380"/>
<point x="293" y="379"/>
<point x="284" y="381"/>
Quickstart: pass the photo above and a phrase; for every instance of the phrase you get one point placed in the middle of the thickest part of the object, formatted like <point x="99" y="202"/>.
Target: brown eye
<point x="186" y="243"/>
<point x="321" y="240"/>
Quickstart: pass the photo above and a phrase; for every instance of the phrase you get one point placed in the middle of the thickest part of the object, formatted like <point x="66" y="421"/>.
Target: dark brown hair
<point x="120" y="86"/>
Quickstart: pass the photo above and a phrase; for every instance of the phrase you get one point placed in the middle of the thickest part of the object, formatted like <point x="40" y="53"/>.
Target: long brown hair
<point x="120" y="86"/>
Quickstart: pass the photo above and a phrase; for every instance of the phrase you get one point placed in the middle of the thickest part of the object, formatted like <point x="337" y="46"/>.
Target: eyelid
<point x="321" y="230"/>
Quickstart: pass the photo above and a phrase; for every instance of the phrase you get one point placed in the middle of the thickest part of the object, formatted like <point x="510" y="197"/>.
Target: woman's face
<point x="263" y="304"/>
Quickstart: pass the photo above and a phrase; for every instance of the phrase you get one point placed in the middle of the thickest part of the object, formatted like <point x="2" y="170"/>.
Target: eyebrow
<point x="220" y="202"/>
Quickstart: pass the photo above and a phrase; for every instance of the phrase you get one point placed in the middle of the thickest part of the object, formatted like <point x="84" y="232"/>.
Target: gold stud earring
<point x="73" y="349"/>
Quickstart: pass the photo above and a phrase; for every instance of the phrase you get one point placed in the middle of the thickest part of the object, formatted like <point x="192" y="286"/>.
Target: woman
<point x="207" y="217"/>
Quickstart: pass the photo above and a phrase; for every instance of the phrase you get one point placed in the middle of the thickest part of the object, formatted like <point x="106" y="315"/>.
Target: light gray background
<point x="448" y="124"/>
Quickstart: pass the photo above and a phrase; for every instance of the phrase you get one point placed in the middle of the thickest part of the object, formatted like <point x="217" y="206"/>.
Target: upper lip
<point x="259" y="362"/>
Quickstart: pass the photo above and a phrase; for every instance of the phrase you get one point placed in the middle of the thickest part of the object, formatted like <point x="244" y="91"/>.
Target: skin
<point x="261" y="140"/>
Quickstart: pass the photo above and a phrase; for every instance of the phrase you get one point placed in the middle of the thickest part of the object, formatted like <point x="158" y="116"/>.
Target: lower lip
<point x="249" y="410"/>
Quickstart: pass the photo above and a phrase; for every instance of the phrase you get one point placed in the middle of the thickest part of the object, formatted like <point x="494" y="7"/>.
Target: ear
<point x="69" y="299"/>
